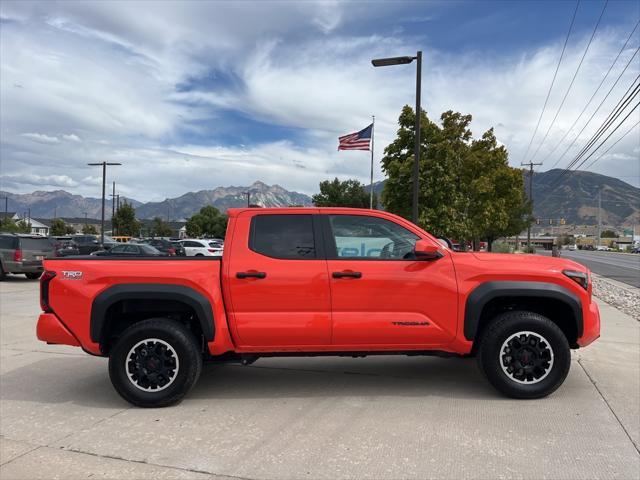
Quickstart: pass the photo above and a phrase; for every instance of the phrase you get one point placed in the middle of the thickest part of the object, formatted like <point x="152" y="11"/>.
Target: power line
<point x="564" y="47"/>
<point x="613" y="145"/>
<point x="599" y="106"/>
<point x="608" y="136"/>
<point x="594" y="94"/>
<point x="566" y="174"/>
<point x="613" y="116"/>
<point x="566" y="94"/>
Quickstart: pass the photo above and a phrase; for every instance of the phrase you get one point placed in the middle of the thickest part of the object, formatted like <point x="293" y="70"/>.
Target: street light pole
<point x="416" y="158"/>
<point x="104" y="179"/>
<point x="385" y="62"/>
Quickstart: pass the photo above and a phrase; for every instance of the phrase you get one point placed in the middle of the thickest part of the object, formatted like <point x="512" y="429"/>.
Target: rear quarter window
<point x="8" y="242"/>
<point x="283" y="236"/>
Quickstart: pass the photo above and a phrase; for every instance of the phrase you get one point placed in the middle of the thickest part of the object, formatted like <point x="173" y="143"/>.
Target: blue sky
<point x="195" y="95"/>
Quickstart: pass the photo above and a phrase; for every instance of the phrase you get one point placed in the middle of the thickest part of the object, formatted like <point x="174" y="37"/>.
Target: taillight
<point x="46" y="277"/>
<point x="213" y="250"/>
<point x="17" y="255"/>
<point x="172" y="251"/>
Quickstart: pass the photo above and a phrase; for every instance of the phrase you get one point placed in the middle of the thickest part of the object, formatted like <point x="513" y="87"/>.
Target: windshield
<point x="148" y="249"/>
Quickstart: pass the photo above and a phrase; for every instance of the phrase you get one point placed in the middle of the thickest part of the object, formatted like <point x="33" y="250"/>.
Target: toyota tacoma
<point x="319" y="281"/>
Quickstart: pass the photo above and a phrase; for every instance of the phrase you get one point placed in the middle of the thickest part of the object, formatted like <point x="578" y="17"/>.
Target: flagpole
<point x="373" y="117"/>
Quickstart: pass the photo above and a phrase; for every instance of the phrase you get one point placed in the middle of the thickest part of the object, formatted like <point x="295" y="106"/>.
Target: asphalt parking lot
<point x="326" y="418"/>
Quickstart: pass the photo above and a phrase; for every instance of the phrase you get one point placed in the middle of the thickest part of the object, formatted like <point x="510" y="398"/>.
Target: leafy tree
<point x="59" y="227"/>
<point x="608" y="234"/>
<point x="11" y="226"/>
<point x="160" y="228"/>
<point x="208" y="222"/>
<point x="124" y="221"/>
<point x="468" y="191"/>
<point x="89" y="229"/>
<point x="350" y="193"/>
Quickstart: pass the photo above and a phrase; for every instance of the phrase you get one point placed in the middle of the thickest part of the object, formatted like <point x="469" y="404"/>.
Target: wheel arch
<point x="555" y="302"/>
<point x="162" y="297"/>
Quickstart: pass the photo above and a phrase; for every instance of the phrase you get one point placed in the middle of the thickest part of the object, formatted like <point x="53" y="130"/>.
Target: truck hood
<point x="537" y="262"/>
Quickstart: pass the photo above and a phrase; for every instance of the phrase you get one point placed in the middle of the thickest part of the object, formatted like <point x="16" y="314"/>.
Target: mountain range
<point x="575" y="200"/>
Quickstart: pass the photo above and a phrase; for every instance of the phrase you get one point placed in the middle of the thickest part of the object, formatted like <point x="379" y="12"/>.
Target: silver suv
<point x="23" y="254"/>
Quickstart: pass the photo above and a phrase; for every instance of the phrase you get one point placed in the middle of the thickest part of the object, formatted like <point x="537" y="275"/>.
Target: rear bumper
<point x="591" y="324"/>
<point x="26" y="266"/>
<point x="51" y="330"/>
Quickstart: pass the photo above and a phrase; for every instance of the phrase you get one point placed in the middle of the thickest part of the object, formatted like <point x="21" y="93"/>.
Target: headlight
<point x="581" y="278"/>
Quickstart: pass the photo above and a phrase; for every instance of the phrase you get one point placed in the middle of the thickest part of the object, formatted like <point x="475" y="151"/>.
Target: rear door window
<point x="283" y="236"/>
<point x="35" y="244"/>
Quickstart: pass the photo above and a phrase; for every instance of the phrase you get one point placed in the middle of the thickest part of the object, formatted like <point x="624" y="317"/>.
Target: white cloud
<point x="71" y="137"/>
<point x="110" y="92"/>
<point x="39" y="180"/>
<point x="41" y="138"/>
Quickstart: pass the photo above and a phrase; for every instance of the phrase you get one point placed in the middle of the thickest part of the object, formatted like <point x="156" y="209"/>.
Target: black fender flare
<point x="486" y="292"/>
<point x="149" y="291"/>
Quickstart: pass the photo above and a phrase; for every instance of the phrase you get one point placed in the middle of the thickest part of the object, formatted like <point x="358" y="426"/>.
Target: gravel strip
<point x="624" y="298"/>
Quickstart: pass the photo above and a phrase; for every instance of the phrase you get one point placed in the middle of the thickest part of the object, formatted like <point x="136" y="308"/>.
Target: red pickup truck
<point x="319" y="281"/>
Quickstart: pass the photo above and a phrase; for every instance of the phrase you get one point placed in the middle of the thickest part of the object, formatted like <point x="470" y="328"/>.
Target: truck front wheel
<point x="524" y="355"/>
<point x="155" y="363"/>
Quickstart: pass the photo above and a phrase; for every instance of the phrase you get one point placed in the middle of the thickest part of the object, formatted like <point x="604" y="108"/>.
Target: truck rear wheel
<point x="524" y="355"/>
<point x="155" y="363"/>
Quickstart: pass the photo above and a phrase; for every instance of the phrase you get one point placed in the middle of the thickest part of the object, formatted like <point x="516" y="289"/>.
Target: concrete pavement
<point x="325" y="418"/>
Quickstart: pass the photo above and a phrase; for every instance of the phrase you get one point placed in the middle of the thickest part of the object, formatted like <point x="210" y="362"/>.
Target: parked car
<point x="322" y="282"/>
<point x="603" y="248"/>
<point x="88" y="244"/>
<point x="179" y="248"/>
<point x="22" y="253"/>
<point x="572" y="247"/>
<point x="130" y="250"/>
<point x="161" y="244"/>
<point x="64" y="246"/>
<point x="202" y="248"/>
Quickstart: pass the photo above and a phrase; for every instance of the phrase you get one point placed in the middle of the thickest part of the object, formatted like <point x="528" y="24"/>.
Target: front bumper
<point x="51" y="330"/>
<point x="590" y="324"/>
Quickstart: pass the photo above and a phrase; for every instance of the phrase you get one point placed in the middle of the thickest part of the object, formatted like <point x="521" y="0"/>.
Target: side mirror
<point x="426" y="251"/>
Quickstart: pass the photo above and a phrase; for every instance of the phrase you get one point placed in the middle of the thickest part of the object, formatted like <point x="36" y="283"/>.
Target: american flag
<point x="356" y="141"/>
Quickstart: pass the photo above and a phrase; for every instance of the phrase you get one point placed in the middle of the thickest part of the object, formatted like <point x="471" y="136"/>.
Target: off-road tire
<point x="490" y="353"/>
<point x="33" y="276"/>
<point x="182" y="342"/>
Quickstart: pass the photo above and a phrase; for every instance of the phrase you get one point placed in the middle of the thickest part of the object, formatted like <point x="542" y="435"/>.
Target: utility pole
<point x="599" y="217"/>
<point x="248" y="194"/>
<point x="29" y="219"/>
<point x="104" y="177"/>
<point x="113" y="204"/>
<point x="6" y="207"/>
<point x="530" y="165"/>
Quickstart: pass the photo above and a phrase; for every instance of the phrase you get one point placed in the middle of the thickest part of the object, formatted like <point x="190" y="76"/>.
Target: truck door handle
<point x="251" y="275"/>
<point x="347" y="274"/>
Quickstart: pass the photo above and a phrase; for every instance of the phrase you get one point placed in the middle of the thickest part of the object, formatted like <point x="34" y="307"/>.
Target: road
<point x="623" y="267"/>
<point x="380" y="417"/>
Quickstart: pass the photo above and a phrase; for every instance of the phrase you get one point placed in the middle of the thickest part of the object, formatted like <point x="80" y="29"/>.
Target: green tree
<point x="608" y="234"/>
<point x="59" y="228"/>
<point x="89" y="229"/>
<point x="11" y="226"/>
<point x="208" y="222"/>
<point x="124" y="221"/>
<point x="468" y="191"/>
<point x="349" y="193"/>
<point x="160" y="228"/>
